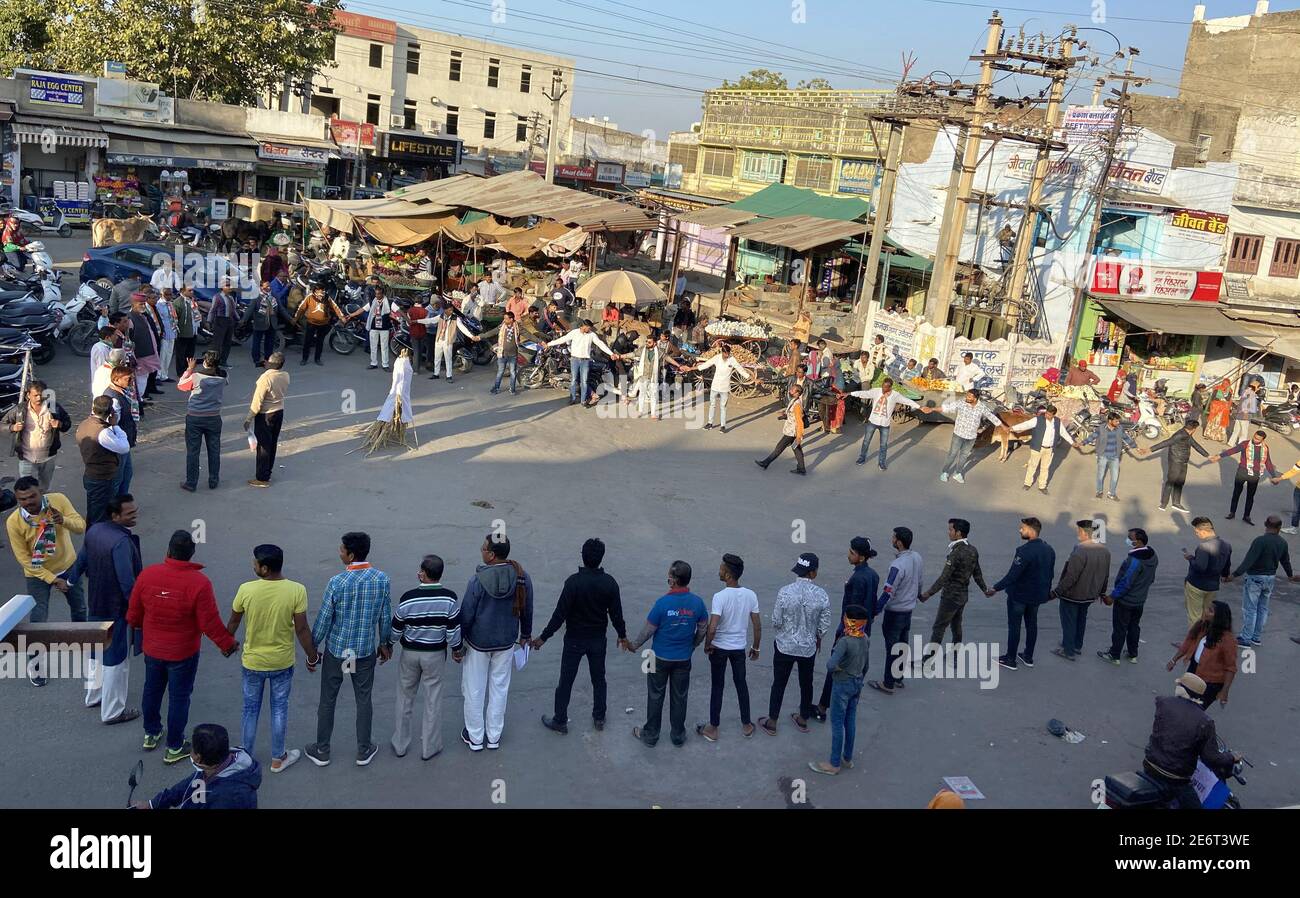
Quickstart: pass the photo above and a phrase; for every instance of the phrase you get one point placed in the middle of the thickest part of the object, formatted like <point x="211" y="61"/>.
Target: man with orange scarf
<point x="791" y="433"/>
<point x="847" y="665"/>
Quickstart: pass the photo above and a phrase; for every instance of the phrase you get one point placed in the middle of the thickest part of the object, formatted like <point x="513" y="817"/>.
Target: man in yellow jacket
<point x="40" y="534"/>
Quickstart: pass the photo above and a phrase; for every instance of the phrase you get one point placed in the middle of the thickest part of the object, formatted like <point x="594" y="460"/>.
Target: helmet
<point x="322" y="277"/>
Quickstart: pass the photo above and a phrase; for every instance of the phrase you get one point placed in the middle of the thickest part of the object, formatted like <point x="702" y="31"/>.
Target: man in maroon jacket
<point x="174" y="604"/>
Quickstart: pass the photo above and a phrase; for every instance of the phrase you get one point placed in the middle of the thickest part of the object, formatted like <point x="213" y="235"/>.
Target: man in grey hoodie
<point x="494" y="619"/>
<point x="898" y="600"/>
<point x="1083" y="581"/>
<point x="207" y="387"/>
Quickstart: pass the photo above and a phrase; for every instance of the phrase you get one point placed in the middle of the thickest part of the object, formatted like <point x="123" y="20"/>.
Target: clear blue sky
<point x="672" y="49"/>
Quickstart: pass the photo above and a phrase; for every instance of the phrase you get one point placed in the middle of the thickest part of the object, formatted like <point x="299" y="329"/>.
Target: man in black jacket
<point x="1182" y="734"/>
<point x="588" y="598"/>
<point x="1136" y="574"/>
<point x="36" y="426"/>
<point x="1180" y="446"/>
<point x="1028" y="584"/>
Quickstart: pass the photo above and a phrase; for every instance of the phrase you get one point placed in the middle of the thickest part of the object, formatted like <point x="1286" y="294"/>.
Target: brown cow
<point x="112" y="231"/>
<point x="1002" y="433"/>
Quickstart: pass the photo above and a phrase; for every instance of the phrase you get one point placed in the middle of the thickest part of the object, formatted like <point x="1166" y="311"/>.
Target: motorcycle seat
<point x="10" y="372"/>
<point x="11" y="295"/>
<point x="1133" y="788"/>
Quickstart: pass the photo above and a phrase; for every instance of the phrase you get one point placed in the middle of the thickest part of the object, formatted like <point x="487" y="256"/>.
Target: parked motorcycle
<point x="49" y="220"/>
<point x="1282" y="418"/>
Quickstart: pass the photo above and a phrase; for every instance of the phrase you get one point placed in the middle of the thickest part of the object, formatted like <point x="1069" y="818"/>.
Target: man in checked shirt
<point x="352" y="629"/>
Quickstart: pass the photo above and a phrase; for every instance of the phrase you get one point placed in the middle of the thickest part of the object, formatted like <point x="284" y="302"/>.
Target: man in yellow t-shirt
<point x="40" y="534"/>
<point x="276" y="609"/>
<point x="1295" y="496"/>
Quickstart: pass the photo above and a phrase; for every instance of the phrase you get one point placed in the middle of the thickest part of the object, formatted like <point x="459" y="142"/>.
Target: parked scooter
<point x="49" y="220"/>
<point x="1282" y="417"/>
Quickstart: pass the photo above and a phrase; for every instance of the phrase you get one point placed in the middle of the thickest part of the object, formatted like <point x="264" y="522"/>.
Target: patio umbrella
<point x="621" y="288"/>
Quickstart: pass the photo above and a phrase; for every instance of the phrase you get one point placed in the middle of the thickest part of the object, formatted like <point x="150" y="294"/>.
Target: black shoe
<point x="303" y="362"/>
<point x="1043" y="490"/>
<point x="188" y="488"/>
<point x="212" y="484"/>
<point x="598" y="722"/>
<point x="1230" y="516"/>
<point x="319" y="362"/>
<point x="551" y="724"/>
<point x="1025" y="487"/>
<point x="799" y="471"/>
<point x="1248" y="521"/>
<point x="433" y="377"/>
<point x="761" y="464"/>
<point x="473" y="746"/>
<point x="862" y="460"/>
<point x="708" y="426"/>
<point x="1027" y="662"/>
<point x="722" y="429"/>
<point x="1003" y="662"/>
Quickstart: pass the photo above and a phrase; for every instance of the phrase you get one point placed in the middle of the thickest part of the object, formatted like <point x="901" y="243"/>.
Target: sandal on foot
<point x="767" y="725"/>
<point x="700" y="728"/>
<point x="801" y="724"/>
<point x="880" y="687"/>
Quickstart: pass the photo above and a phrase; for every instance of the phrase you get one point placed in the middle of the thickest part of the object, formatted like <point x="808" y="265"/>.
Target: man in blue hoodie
<point x="495" y="617"/>
<point x="1028" y="584"/>
<point x="223" y="779"/>
<point x="1136" y="574"/>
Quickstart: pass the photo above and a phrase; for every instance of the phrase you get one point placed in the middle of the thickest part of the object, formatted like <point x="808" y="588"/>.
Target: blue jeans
<point x="281" y="682"/>
<point x="40" y="591"/>
<point x="125" y="471"/>
<point x="578" y="370"/>
<point x="513" y="365"/>
<point x="958" y="454"/>
<point x="1255" y="593"/>
<point x="199" y="430"/>
<point x="1108" y="464"/>
<point x="844" y="718"/>
<point x="176" y="678"/>
<point x="872" y="429"/>
<point x="98" y="492"/>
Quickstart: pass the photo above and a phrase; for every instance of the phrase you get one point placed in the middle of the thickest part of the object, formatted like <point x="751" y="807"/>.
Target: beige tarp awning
<point x="1161" y="317"/>
<point x="521" y="193"/>
<point x="1276" y="332"/>
<point x="716" y="217"/>
<point x="342" y="214"/>
<point x="531" y="241"/>
<point x="799" y="232"/>
<point x="406" y="231"/>
<point x="481" y="232"/>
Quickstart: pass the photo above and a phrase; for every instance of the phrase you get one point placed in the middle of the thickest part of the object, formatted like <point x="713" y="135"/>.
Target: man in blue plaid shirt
<point x="351" y="631"/>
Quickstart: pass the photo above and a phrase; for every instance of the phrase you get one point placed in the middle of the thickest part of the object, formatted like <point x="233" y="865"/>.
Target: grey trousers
<point x="42" y="471"/>
<point x="416" y="669"/>
<point x="363" y="681"/>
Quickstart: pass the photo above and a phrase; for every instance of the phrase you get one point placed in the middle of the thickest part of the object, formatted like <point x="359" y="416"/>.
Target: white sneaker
<point x="959" y="478"/>
<point x="279" y="765"/>
<point x="1288" y="529"/>
<point x="943" y="478"/>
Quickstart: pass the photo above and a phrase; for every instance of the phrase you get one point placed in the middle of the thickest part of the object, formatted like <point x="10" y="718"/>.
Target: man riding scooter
<point x="15" y="242"/>
<point x="1181" y="734"/>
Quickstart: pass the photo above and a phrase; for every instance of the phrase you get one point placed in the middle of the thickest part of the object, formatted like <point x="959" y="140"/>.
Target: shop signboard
<point x="1060" y="171"/>
<point x="636" y="179"/>
<point x="418" y="148"/>
<point x="62" y="92"/>
<point x="181" y="162"/>
<point x="1029" y="359"/>
<point x="220" y="209"/>
<point x="994" y="356"/>
<point x="345" y="134"/>
<point x="1139" y="178"/>
<point x="1135" y="280"/>
<point x="609" y="173"/>
<point x="1212" y="224"/>
<point x="575" y="172"/>
<point x="899" y="332"/>
<point x="1083" y="123"/>
<point x="283" y="152"/>
<point x="858" y="176"/>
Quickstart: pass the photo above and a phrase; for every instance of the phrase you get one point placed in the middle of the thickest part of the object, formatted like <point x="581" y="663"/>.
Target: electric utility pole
<point x="558" y="92"/>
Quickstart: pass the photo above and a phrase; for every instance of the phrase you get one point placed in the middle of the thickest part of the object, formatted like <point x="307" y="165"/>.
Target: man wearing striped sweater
<point x="426" y="622"/>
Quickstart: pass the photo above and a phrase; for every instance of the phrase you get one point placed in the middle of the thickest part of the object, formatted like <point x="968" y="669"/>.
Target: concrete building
<point x="600" y="140"/>
<point x="428" y="96"/>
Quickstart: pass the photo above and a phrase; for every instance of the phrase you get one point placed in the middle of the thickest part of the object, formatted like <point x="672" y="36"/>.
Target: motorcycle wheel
<point x="82" y="337"/>
<point x="44" y="353"/>
<point x="1151" y="432"/>
<point x="341" y="342"/>
<point x="484" y="355"/>
<point x="1280" y="426"/>
<point x="532" y="376"/>
<point x="106" y="283"/>
<point x="65" y="230"/>
<point x="464" y="364"/>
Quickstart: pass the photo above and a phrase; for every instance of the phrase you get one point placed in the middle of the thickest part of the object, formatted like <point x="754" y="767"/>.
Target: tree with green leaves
<point x="228" y="51"/>
<point x="814" y="84"/>
<point x="758" y="79"/>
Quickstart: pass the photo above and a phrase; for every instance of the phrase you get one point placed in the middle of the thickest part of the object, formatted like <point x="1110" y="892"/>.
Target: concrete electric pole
<point x="558" y="91"/>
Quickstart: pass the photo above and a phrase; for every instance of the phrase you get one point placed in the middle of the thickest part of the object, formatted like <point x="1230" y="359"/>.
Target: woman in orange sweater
<point x="1211" y="650"/>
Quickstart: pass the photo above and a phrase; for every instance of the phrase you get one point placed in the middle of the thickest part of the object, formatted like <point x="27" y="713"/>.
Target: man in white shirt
<point x="165" y="276"/>
<point x="1048" y="431"/>
<point x="970" y="416"/>
<point x="580" y="340"/>
<point x="488" y="294"/>
<point x="734" y="611"/>
<point x="723" y="365"/>
<point x="883" y="402"/>
<point x="968" y="374"/>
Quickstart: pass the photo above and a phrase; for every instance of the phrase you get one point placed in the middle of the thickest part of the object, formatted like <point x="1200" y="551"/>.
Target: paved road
<point x="654" y="492"/>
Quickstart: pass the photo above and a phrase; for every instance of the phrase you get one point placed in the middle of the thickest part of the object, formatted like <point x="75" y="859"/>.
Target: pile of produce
<point x="923" y="383"/>
<point x="723" y="327"/>
<point x="739" y="353"/>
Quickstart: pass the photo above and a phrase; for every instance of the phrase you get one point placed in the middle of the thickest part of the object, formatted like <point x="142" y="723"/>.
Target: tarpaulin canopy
<point x="406" y="231"/>
<point x="1277" y="332"/>
<point x="783" y="200"/>
<point x="799" y="232"/>
<point x="521" y="193"/>
<point x="480" y="232"/>
<point x="899" y="258"/>
<point x="1162" y="317"/>
<point x="717" y="217"/>
<point x="342" y="214"/>
<point x="531" y="241"/>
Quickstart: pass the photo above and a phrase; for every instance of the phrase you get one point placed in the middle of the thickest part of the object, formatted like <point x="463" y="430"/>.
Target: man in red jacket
<point x="174" y="604"/>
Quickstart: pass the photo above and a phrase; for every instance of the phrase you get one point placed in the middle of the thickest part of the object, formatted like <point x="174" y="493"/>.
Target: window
<point x="489" y="125"/>
<point x="813" y="172"/>
<point x="1203" y="147"/>
<point x="412" y="59"/>
<point x="372" y="108"/>
<point x="408" y="115"/>
<point x="453" y="74"/>
<point x="719" y="163"/>
<point x="376" y="56"/>
<point x="453" y="120"/>
<point x="1243" y="256"/>
<point x="766" y="168"/>
<point x="1286" y="259"/>
<point x="494" y="72"/>
<point x="684" y="154"/>
<point x="526" y="80"/>
<point x="521" y="130"/>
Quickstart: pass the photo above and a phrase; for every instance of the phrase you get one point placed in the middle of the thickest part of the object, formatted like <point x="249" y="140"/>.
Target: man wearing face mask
<point x="1028" y="584"/>
<point x="223" y="777"/>
<point x="1136" y="574"/>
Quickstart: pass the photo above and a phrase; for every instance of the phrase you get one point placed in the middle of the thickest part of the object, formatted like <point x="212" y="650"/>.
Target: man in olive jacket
<point x="1083" y="581"/>
<point x="1180" y="446"/>
<point x="961" y="566"/>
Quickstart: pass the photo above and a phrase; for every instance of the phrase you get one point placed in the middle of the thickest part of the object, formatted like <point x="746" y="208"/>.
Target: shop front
<point x="288" y="169"/>
<point x="165" y="161"/>
<point x="62" y="156"/>
<point x="419" y="157"/>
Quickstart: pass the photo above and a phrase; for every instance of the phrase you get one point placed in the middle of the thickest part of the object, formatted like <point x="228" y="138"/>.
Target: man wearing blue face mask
<point x="1136" y="574"/>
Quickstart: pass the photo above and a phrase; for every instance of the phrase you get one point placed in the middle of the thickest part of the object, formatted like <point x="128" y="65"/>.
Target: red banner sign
<point x="345" y="134"/>
<point x="1138" y="281"/>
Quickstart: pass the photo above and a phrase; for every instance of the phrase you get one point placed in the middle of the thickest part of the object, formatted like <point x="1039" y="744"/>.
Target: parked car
<point x="109" y="264"/>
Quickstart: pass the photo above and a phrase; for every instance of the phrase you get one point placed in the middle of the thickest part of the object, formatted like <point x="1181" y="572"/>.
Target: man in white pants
<point x="167" y="318"/>
<point x="1247" y="408"/>
<point x="444" y="339"/>
<point x="494" y="619"/>
<point x="110" y="559"/>
<point x="379" y="324"/>
<point x="723" y="365"/>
